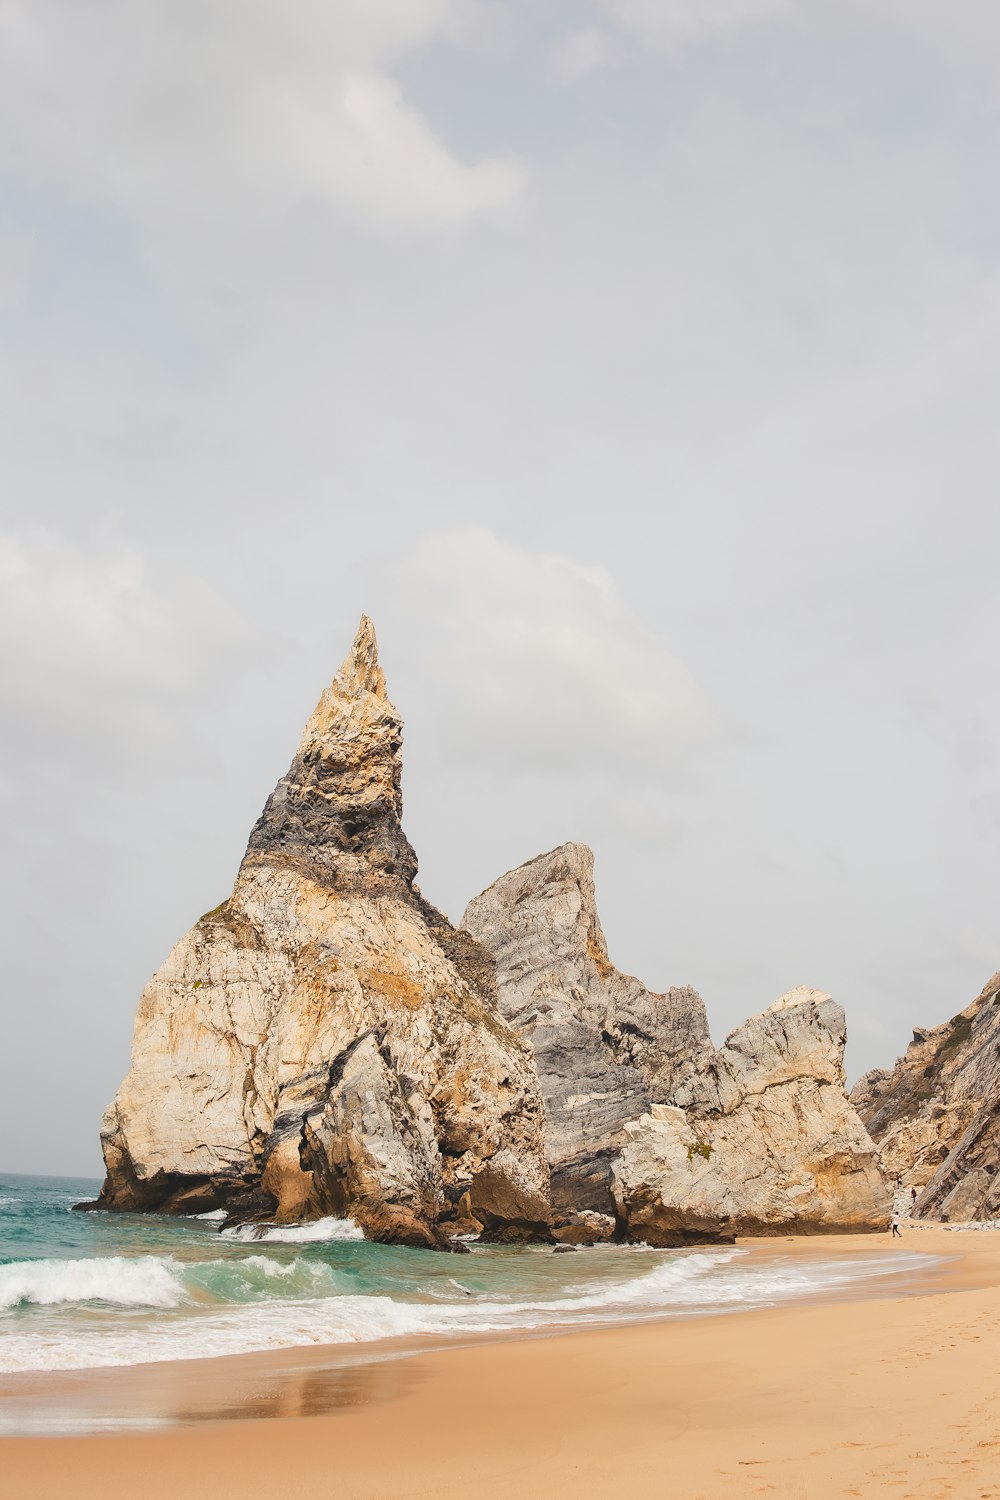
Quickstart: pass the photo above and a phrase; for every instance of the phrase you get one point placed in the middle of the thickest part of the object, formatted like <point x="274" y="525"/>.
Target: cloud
<point x="653" y="19"/>
<point x="237" y="110"/>
<point x="16" y="266"/>
<point x="583" y="53"/>
<point x="537" y="664"/>
<point x="93" y="652"/>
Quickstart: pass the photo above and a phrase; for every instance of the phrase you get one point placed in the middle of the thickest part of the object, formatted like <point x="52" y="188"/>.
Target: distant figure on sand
<point x="895" y="1227"/>
<point x="913" y="1196"/>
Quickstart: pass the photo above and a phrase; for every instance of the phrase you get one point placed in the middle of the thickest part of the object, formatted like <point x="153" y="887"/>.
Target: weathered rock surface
<point x="768" y="1142"/>
<point x="935" y="1116"/>
<point x="604" y="1045"/>
<point x="646" y="1120"/>
<point x="325" y="1042"/>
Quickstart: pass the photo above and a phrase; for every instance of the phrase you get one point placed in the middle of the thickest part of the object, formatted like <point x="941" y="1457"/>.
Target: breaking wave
<point x="144" y="1309"/>
<point x="319" y="1232"/>
<point x="135" y="1281"/>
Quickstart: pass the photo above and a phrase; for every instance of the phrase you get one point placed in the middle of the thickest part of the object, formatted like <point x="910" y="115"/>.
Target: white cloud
<point x="584" y="53"/>
<point x="538" y="664"/>
<point x="236" y="110"/>
<point x="92" y="650"/>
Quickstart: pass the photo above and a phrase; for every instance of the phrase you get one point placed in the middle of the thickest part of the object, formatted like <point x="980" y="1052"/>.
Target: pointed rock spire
<point x="346" y="704"/>
<point x="336" y="814"/>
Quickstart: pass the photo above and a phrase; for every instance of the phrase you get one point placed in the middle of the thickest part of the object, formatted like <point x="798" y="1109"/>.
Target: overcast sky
<point x="633" y="363"/>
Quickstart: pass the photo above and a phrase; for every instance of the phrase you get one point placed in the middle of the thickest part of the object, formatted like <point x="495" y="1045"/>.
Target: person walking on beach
<point x="913" y="1197"/>
<point x="895" y="1225"/>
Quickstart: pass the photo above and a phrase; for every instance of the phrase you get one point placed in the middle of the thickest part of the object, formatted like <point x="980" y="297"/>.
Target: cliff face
<point x="935" y="1116"/>
<point x="646" y="1120"/>
<point x="324" y="1042"/>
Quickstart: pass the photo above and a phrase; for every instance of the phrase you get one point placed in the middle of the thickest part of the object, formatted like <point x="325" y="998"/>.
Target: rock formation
<point x="935" y="1116"/>
<point x="645" y="1120"/>
<point x="604" y="1045"/>
<point x="325" y="1042"/>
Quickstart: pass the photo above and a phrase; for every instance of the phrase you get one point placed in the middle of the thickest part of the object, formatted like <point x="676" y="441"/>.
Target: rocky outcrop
<point x="645" y="1119"/>
<point x="325" y="1042"/>
<point x="604" y="1045"/>
<point x="935" y="1116"/>
<point x="768" y="1141"/>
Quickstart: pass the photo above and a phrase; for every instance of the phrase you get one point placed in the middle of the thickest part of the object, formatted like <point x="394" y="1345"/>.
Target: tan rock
<point x="769" y="1141"/>
<point x="324" y="1041"/>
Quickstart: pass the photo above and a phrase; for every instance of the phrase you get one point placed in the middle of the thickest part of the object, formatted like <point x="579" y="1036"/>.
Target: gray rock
<point x="605" y="1047"/>
<point x="936" y="1115"/>
<point x="645" y="1119"/>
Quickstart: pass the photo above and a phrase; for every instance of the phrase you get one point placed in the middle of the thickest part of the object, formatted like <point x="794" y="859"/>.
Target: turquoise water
<point x="86" y="1290"/>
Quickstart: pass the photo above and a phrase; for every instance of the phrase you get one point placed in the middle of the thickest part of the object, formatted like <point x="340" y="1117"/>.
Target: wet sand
<point x="897" y="1393"/>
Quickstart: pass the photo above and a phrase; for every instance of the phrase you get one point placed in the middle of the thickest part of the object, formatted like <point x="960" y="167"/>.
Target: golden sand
<point x="897" y="1397"/>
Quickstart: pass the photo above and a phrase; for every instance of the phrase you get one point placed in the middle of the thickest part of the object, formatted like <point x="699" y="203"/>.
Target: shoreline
<point x="724" y="1400"/>
<point x="252" y="1383"/>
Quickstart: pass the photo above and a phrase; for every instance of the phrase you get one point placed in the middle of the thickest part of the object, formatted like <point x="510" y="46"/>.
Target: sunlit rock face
<point x="325" y="1042"/>
<point x="936" y="1115"/>
<point x="645" y="1119"/>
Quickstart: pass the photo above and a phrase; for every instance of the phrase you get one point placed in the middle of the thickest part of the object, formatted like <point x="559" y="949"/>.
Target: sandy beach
<point x="897" y="1394"/>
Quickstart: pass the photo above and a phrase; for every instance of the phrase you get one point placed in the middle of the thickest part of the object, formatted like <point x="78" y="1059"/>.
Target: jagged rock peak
<point x="802" y="994"/>
<point x="340" y="803"/>
<point x="324" y="1041"/>
<point x="344" y="705"/>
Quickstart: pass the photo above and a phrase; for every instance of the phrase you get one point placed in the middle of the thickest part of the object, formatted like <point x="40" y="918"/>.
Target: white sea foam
<point x="274" y="1268"/>
<point x="315" y="1312"/>
<point x="320" y="1231"/>
<point x="213" y="1213"/>
<point x="139" y="1281"/>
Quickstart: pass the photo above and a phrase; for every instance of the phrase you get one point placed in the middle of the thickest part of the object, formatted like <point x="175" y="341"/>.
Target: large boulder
<point x="935" y="1116"/>
<point x="768" y="1143"/>
<point x="645" y="1119"/>
<point x="325" y="1042"/>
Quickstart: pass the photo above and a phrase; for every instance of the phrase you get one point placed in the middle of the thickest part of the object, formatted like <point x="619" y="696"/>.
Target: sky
<point x="633" y="363"/>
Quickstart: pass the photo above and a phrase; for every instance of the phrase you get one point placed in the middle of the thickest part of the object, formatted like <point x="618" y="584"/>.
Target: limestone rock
<point x="644" y="1118"/>
<point x="583" y="1228"/>
<point x="324" y="1042"/>
<point x="935" y="1116"/>
<point x="603" y="1044"/>
<point x="768" y="1143"/>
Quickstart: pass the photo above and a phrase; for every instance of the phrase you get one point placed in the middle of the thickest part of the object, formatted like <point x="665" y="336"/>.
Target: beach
<point x="897" y="1392"/>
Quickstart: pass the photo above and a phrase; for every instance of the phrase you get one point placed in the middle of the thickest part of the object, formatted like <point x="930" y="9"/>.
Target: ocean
<point x="82" y="1291"/>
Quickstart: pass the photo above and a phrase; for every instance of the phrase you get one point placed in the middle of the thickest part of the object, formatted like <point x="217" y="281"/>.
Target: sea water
<point x="84" y="1290"/>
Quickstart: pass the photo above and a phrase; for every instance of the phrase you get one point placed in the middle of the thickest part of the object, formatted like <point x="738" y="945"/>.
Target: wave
<point x="259" y="1301"/>
<point x="161" y="1282"/>
<point x="319" y="1232"/>
<point x="137" y="1281"/>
